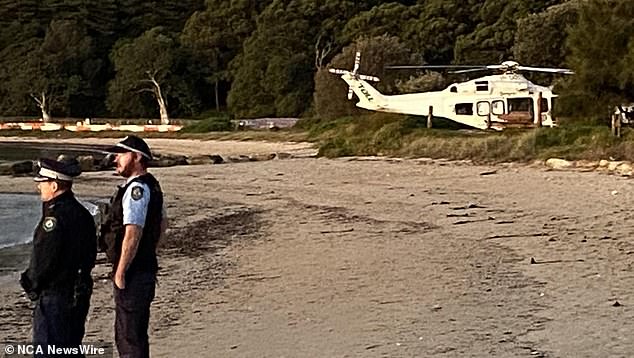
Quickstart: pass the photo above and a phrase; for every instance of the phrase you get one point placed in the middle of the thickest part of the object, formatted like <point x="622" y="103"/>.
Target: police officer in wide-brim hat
<point x="64" y="249"/>
<point x="130" y="234"/>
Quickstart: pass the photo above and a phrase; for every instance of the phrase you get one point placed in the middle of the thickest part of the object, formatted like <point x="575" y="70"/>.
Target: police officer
<point x="64" y="250"/>
<point x="130" y="234"/>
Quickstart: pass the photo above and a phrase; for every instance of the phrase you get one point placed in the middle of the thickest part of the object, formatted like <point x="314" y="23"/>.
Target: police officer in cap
<point x="135" y="223"/>
<point x="64" y="250"/>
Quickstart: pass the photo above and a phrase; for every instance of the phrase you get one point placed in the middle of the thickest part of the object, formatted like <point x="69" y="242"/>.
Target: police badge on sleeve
<point x="49" y="223"/>
<point x="137" y="193"/>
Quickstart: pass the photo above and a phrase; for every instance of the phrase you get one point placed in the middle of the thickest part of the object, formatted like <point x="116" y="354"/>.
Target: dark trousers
<point x="59" y="320"/>
<point x="132" y="314"/>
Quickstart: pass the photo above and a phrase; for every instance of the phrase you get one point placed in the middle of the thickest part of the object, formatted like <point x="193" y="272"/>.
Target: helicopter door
<point x="484" y="108"/>
<point x="520" y="110"/>
<point x="497" y="107"/>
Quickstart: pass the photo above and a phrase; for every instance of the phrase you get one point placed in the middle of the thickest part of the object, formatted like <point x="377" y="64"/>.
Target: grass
<point x="406" y="136"/>
<point x="393" y="135"/>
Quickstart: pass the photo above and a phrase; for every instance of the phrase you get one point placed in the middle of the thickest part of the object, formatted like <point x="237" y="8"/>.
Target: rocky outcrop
<point x="24" y="167"/>
<point x="168" y="160"/>
<point x="559" y="164"/>
<point x="622" y="168"/>
<point x="90" y="163"/>
<point x="87" y="163"/>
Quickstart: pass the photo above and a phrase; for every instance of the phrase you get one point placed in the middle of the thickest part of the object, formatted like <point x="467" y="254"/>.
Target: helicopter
<point x="498" y="101"/>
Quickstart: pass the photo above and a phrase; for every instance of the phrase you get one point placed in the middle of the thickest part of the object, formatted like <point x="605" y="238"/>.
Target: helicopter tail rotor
<point x="353" y="74"/>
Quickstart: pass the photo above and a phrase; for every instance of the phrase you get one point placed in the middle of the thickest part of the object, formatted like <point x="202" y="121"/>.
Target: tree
<point x="273" y="75"/>
<point x="428" y="81"/>
<point x="601" y="51"/>
<point x="492" y="39"/>
<point x="214" y="37"/>
<point x="540" y="39"/>
<point x="49" y="70"/>
<point x="142" y="65"/>
<point x="330" y="94"/>
<point x="385" y="19"/>
<point x="439" y="25"/>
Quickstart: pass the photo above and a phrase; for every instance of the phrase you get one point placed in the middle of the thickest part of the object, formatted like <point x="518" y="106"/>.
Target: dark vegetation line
<point x="215" y="60"/>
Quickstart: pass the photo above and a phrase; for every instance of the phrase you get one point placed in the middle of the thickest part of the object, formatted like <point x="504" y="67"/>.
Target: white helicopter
<point x="495" y="102"/>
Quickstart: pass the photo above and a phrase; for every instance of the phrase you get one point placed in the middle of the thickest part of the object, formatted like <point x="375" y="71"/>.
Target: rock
<point x="5" y="168"/>
<point x="612" y="165"/>
<point x="261" y="157"/>
<point x="282" y="155"/>
<point x="107" y="162"/>
<point x="17" y="168"/>
<point x="168" y="161"/>
<point x="624" y="169"/>
<point x="86" y="163"/>
<point x="200" y="160"/>
<point x="603" y="163"/>
<point x="239" y="158"/>
<point x="559" y="164"/>
<point x="217" y="159"/>
<point x="586" y="164"/>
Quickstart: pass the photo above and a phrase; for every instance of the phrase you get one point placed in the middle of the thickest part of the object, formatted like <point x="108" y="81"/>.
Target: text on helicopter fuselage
<point x="365" y="92"/>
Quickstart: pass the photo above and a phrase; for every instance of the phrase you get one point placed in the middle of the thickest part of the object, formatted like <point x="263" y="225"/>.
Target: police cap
<point x="50" y="169"/>
<point x="134" y="144"/>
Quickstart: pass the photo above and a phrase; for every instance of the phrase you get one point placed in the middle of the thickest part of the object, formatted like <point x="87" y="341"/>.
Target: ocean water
<point x="19" y="213"/>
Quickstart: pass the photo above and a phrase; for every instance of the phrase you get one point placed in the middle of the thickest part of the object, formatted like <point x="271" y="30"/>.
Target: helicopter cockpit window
<point x="453" y="89"/>
<point x="520" y="105"/>
<point x="482" y="86"/>
<point x="465" y="109"/>
<point x="497" y="107"/>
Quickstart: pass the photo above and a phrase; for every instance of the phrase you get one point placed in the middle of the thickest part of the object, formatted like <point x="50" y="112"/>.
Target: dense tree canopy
<point x="600" y="46"/>
<point x="269" y="58"/>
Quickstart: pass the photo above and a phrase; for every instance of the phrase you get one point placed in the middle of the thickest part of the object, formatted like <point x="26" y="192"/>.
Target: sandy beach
<point x="374" y="258"/>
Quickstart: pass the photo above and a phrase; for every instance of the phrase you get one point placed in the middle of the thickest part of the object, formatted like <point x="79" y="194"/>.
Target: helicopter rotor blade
<point x="564" y="71"/>
<point x="337" y="71"/>
<point x="412" y="67"/>
<point x="357" y="61"/>
<point x="470" y="70"/>
<point x="369" y="78"/>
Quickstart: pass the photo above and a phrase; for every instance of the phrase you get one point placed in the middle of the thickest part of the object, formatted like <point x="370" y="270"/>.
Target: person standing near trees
<point x="135" y="223"/>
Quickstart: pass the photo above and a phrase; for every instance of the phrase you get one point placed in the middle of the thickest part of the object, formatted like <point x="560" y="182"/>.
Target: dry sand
<point x="340" y="258"/>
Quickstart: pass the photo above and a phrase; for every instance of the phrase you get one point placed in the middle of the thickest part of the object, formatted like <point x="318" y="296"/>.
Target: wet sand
<point x="340" y="258"/>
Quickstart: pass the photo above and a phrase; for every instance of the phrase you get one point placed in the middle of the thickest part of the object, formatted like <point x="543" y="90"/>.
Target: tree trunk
<point x="163" y="111"/>
<point x="41" y="102"/>
<point x="162" y="103"/>
<point x="45" y="116"/>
